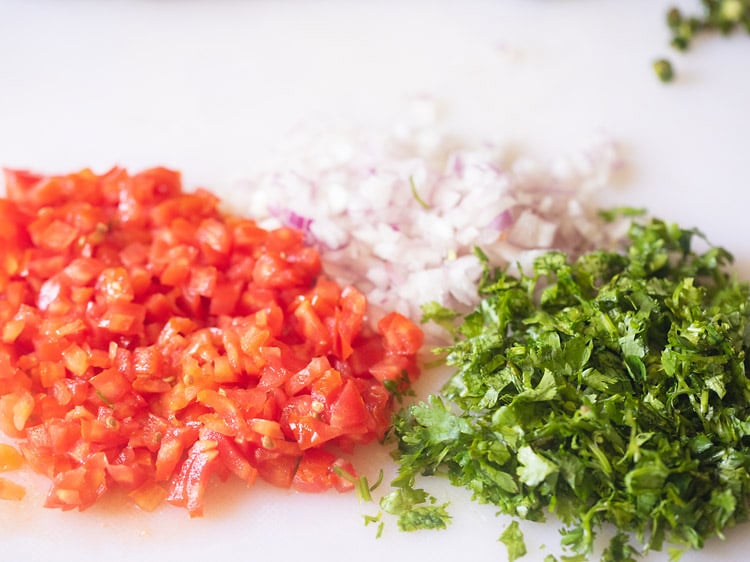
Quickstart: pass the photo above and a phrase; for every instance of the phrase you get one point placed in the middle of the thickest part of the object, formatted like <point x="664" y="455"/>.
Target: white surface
<point x="211" y="87"/>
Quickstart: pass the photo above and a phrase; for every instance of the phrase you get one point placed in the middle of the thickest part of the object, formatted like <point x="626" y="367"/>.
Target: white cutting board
<point x="211" y="87"/>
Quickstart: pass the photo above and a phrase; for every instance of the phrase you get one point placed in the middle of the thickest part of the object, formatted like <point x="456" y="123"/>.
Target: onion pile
<point x="398" y="214"/>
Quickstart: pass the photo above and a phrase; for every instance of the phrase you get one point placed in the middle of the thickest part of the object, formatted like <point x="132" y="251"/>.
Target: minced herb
<point x="512" y="538"/>
<point x="608" y="390"/>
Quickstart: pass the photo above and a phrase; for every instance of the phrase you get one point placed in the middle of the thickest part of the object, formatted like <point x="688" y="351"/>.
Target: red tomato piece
<point x="123" y="318"/>
<point x="110" y="385"/>
<point x="349" y="411"/>
<point x="315" y="471"/>
<point x="188" y="487"/>
<point x="348" y="321"/>
<point x="276" y="468"/>
<point x="114" y="285"/>
<point x="402" y="336"/>
<point x="10" y="458"/>
<point x="11" y="491"/>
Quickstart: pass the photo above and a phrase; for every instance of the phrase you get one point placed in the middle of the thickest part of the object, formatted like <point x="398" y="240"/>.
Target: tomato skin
<point x="150" y="343"/>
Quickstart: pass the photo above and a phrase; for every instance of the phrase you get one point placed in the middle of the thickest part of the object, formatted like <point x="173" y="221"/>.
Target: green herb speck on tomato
<point x="610" y="390"/>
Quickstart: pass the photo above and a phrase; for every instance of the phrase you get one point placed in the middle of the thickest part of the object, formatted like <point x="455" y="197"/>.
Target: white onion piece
<point x="399" y="215"/>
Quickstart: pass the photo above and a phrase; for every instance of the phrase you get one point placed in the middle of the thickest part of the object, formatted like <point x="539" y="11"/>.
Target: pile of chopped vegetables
<point x="397" y="214"/>
<point x="610" y="389"/>
<point x="149" y="341"/>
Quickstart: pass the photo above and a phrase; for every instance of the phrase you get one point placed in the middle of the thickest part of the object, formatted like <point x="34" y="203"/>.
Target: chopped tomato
<point x="10" y="458"/>
<point x="150" y="342"/>
<point x="315" y="471"/>
<point x="10" y="490"/>
<point x="401" y="335"/>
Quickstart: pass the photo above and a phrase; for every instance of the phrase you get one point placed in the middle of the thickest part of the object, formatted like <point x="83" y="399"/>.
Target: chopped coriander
<point x="440" y="315"/>
<point x="361" y="484"/>
<point x="424" y="517"/>
<point x="611" y="389"/>
<point x="377" y="483"/>
<point x="512" y="538"/>
<point x="399" y="388"/>
<point x="370" y="519"/>
<point x="408" y="505"/>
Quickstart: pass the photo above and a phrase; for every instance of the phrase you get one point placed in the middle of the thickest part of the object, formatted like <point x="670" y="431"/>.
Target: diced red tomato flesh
<point x="149" y="341"/>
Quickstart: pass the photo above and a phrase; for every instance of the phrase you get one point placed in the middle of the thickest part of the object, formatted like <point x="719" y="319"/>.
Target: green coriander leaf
<point x="402" y="500"/>
<point x="424" y="517"/>
<point x="440" y="315"/>
<point x="512" y="538"/>
<point x="399" y="388"/>
<point x="442" y="424"/>
<point x="533" y="468"/>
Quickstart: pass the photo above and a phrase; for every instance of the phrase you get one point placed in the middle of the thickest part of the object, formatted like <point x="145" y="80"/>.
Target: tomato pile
<point x="149" y="341"/>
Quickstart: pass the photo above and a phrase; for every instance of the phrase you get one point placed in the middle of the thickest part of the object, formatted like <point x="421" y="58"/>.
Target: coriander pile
<point x="610" y="390"/>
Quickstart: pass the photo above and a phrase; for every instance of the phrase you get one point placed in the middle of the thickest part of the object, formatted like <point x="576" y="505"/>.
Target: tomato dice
<point x="11" y="491"/>
<point x="10" y="458"/>
<point x="150" y="342"/>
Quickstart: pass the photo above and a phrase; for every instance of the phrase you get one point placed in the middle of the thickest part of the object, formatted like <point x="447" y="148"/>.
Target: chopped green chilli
<point x="664" y="70"/>
<point x="722" y="16"/>
<point x="610" y="391"/>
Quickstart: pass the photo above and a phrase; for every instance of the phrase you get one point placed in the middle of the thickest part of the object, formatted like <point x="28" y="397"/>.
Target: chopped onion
<point x="399" y="215"/>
